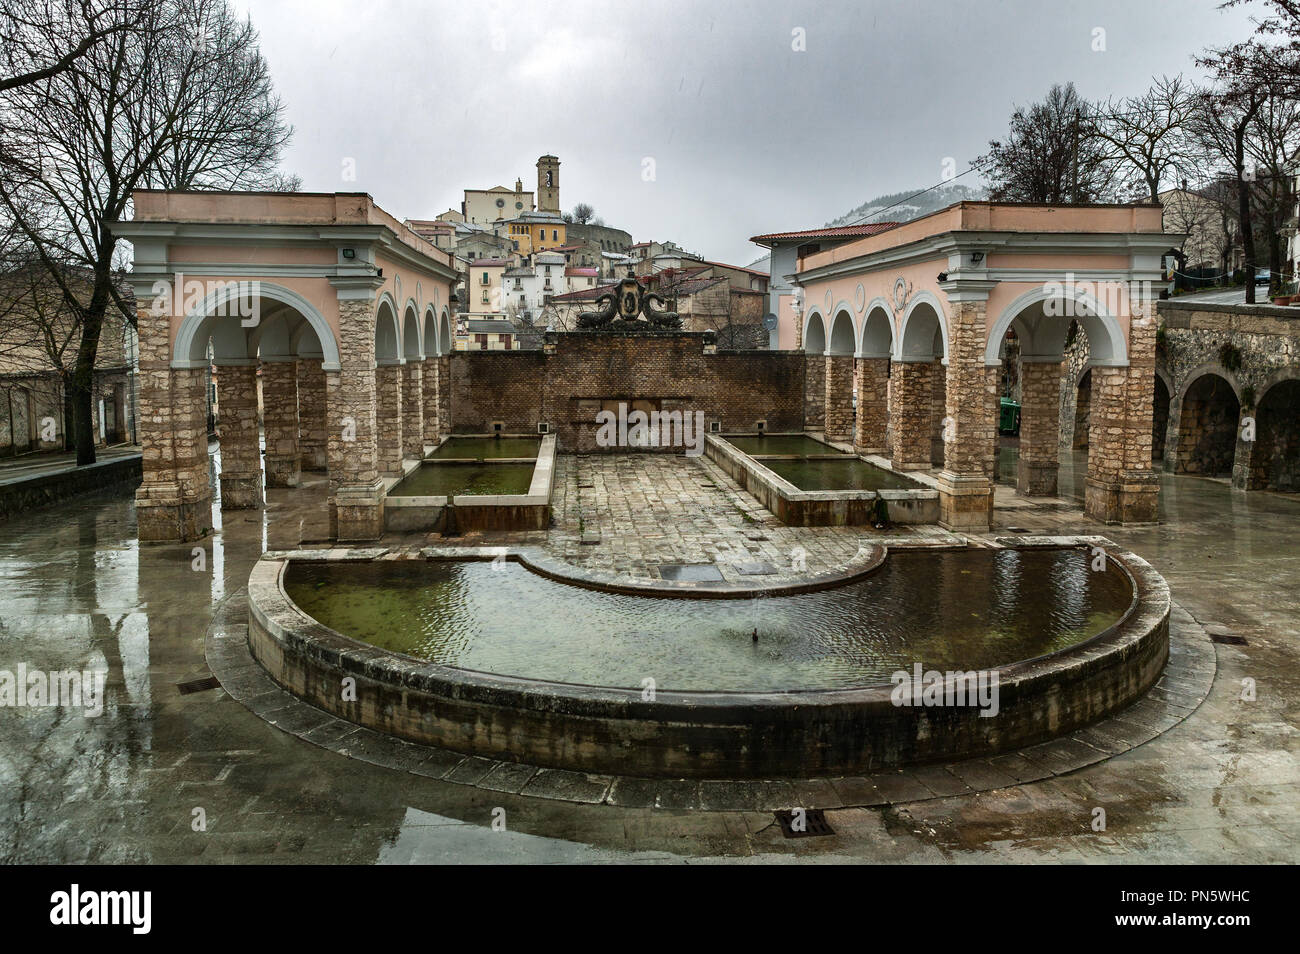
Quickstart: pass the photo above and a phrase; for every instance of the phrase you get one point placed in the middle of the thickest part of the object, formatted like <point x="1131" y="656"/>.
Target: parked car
<point x="1263" y="277"/>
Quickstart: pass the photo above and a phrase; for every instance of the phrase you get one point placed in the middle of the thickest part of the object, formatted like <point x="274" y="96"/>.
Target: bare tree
<point x="583" y="213"/>
<point x="41" y="38"/>
<point x="1273" y="146"/>
<point x="1147" y="135"/>
<point x="1051" y="154"/>
<point x="1247" y="76"/>
<point x="146" y="106"/>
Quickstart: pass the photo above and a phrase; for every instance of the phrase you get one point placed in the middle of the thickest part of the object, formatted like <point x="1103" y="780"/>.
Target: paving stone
<point x="507" y="777"/>
<point x="568" y="786"/>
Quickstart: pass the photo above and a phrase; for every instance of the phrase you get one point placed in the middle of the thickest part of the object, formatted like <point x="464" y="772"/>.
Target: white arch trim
<point x="851" y="313"/>
<point x="815" y="313"/>
<point x="413" y="307"/>
<point x="194" y="319"/>
<point x="1108" y="350"/>
<point x="446" y="336"/>
<point x="429" y="325"/>
<point x="867" y="312"/>
<point x="922" y="298"/>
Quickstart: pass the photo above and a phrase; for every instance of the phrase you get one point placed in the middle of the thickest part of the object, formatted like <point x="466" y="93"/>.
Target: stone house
<point x="39" y="338"/>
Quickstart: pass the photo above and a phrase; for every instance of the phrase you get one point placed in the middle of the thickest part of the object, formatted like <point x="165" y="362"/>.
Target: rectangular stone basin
<point x="814" y="489"/>
<point x="479" y="492"/>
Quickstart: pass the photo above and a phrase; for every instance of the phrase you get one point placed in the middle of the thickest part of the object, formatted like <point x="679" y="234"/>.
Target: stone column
<point x="312" y="426"/>
<point x="838" y="414"/>
<point x="965" y="483"/>
<point x="814" y="391"/>
<point x="174" y="500"/>
<point x="388" y="419"/>
<point x="1122" y="487"/>
<point x="412" y="411"/>
<point x="241" y="453"/>
<point x="938" y="410"/>
<point x="431" y="387"/>
<point x="1040" y="427"/>
<point x="444" y="395"/>
<point x="357" y="497"/>
<point x="873" y="405"/>
<point x="280" y="422"/>
<point x="909" y="415"/>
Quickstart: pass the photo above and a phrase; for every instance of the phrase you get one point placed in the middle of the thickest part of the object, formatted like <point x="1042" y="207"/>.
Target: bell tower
<point x="548" y="184"/>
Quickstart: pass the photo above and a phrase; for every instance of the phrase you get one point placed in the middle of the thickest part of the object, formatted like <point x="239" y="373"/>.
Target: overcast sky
<point x="747" y="135"/>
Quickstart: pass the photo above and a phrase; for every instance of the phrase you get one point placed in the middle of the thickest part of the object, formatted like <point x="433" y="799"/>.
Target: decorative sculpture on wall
<point x="623" y="308"/>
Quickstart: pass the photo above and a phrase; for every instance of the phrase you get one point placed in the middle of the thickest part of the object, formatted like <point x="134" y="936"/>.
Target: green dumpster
<point x="1009" y="418"/>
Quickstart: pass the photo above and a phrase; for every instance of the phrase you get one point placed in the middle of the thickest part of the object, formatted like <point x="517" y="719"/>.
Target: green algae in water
<point x="847" y="474"/>
<point x="486" y="448"/>
<point x="447" y="480"/>
<point x="798" y="444"/>
<point x="966" y="609"/>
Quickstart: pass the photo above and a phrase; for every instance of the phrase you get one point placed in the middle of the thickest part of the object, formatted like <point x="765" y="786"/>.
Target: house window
<point x="555" y="235"/>
<point x="548" y="269"/>
<point x="485" y="278"/>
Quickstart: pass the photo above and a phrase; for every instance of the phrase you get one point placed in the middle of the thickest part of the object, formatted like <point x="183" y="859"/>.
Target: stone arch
<point x="814" y="336"/>
<point x="1042" y="335"/>
<point x="923" y="324"/>
<point x="1275" y="455"/>
<point x="844" y="335"/>
<point x="1209" y="367"/>
<point x="1207" y="425"/>
<point x="877" y="339"/>
<point x="412" y="346"/>
<point x="190" y="348"/>
<point x="387" y="337"/>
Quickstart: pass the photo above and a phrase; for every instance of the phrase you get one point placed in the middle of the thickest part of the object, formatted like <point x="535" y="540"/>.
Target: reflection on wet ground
<point x="76" y="591"/>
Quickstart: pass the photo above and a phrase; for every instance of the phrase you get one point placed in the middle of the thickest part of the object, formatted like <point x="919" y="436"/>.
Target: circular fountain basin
<point x="502" y="661"/>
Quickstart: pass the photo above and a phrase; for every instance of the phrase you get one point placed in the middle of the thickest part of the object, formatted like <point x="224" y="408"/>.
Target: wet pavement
<point x="167" y="776"/>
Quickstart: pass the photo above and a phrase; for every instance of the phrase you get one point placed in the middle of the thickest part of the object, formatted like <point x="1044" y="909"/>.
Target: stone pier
<point x="280" y="422"/>
<point x="241" y="453"/>
<point x="388" y="419"/>
<point x="412" y="411"/>
<point x="312" y="427"/>
<point x="1040" y="425"/>
<point x="873" y="405"/>
<point x="910" y="415"/>
<point x="838" y="413"/>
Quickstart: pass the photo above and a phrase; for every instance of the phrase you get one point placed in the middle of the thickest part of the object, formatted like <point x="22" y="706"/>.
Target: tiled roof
<point x="841" y="231"/>
<point x="580" y="270"/>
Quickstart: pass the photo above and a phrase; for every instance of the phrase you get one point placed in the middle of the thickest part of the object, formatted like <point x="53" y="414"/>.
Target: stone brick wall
<point x="564" y="384"/>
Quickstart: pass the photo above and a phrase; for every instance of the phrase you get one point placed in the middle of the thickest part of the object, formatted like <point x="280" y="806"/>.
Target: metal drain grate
<point x="1228" y="639"/>
<point x="813" y="823"/>
<point x="198" y="685"/>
